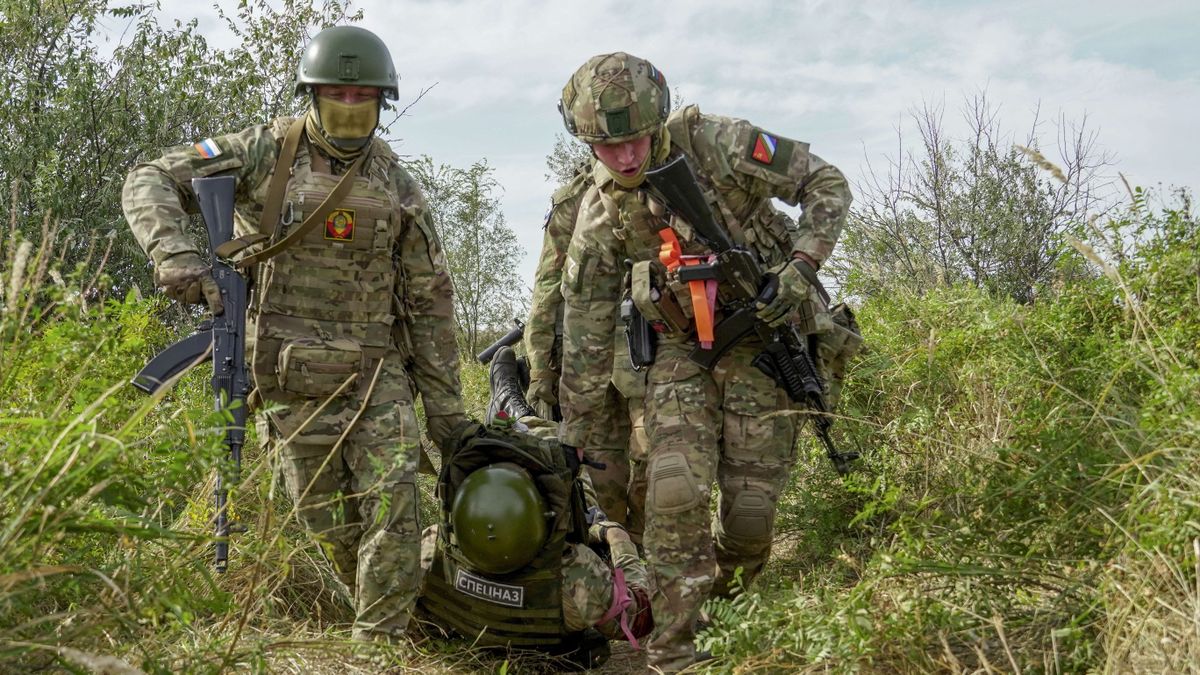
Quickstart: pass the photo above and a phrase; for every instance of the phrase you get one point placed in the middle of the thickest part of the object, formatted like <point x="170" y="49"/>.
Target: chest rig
<point x="523" y="608"/>
<point x="323" y="309"/>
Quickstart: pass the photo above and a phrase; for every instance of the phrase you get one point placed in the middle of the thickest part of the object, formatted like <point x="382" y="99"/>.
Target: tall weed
<point x="1027" y="500"/>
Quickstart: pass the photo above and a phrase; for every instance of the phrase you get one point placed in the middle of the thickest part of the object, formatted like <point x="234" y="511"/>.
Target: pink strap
<point x="622" y="598"/>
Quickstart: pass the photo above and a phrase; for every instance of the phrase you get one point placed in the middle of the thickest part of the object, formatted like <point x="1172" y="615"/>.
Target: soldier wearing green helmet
<point x="511" y="562"/>
<point x="351" y="310"/>
<point x="731" y="425"/>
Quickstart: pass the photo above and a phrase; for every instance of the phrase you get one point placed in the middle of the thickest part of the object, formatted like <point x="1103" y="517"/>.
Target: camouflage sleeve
<point x="545" y="314"/>
<point x="765" y="165"/>
<point x="591" y="287"/>
<point x="158" y="196"/>
<point x="426" y="297"/>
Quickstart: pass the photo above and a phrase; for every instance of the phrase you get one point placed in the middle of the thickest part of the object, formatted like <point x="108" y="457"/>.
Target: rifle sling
<point x="275" y="192"/>
<point x="810" y="275"/>
<point x="315" y="218"/>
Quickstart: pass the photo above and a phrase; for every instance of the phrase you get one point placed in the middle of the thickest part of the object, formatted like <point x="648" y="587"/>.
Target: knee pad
<point x="672" y="487"/>
<point x="750" y="517"/>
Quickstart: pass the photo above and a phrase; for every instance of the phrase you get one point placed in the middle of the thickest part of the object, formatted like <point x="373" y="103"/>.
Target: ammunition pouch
<point x="315" y="368"/>
<point x="835" y="348"/>
<point x="658" y="305"/>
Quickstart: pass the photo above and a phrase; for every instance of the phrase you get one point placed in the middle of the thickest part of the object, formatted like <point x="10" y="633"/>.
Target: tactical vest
<point x="323" y="311"/>
<point x="521" y="609"/>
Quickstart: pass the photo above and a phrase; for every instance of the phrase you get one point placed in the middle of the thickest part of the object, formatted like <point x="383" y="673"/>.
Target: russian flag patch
<point x="207" y="148"/>
<point x="763" y="150"/>
<point x="656" y="75"/>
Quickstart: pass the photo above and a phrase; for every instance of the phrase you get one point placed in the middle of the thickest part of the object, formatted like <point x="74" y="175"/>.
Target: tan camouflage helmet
<point x="615" y="98"/>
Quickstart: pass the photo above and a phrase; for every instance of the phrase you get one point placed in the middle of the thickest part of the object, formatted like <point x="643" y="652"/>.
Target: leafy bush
<point x="1028" y="494"/>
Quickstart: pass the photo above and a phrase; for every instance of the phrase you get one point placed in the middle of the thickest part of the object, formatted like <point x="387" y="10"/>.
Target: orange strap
<point x="703" y="291"/>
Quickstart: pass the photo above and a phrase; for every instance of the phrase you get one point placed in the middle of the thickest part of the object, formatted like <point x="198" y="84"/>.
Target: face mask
<point x="348" y="124"/>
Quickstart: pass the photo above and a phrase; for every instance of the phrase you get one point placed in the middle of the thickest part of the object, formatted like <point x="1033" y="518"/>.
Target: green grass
<point x="1028" y="498"/>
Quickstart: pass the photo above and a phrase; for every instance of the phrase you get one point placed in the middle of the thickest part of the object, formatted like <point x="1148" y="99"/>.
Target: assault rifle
<point x="221" y="339"/>
<point x="509" y="339"/>
<point x="786" y="357"/>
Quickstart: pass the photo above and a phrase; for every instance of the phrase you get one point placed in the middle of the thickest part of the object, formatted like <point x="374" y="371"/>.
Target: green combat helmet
<point x="499" y="518"/>
<point x="347" y="55"/>
<point x="615" y="98"/>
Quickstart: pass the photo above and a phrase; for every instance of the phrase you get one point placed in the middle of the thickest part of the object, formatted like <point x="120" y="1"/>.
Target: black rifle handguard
<point x="221" y="339"/>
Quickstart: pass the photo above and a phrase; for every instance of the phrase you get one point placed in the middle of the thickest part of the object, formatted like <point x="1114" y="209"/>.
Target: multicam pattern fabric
<point x="587" y="585"/>
<point x="380" y="287"/>
<point x="731" y="425"/>
<point x="614" y="98"/>
<point x="543" y="328"/>
<point x="624" y="442"/>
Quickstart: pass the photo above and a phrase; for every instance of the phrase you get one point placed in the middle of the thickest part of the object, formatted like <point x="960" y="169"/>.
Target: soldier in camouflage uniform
<point x="511" y="562"/>
<point x="620" y="486"/>
<point x="731" y="424"/>
<point x="350" y="315"/>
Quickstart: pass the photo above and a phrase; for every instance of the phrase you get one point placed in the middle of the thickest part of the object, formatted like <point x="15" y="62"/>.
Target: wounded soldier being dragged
<point x="522" y="557"/>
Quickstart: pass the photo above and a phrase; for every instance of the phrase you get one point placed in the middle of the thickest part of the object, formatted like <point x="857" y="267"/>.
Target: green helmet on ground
<point x="347" y="55"/>
<point x="615" y="98"/>
<point x="499" y="518"/>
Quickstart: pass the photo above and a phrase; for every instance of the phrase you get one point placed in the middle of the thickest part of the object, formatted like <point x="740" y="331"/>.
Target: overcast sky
<point x="840" y="75"/>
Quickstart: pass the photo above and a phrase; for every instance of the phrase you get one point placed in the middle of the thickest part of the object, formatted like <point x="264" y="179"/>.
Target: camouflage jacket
<point x="742" y="168"/>
<point x="543" y="329"/>
<point x="158" y="198"/>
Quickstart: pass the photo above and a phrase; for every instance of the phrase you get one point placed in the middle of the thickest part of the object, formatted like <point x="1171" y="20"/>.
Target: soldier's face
<point x="625" y="158"/>
<point x="348" y="93"/>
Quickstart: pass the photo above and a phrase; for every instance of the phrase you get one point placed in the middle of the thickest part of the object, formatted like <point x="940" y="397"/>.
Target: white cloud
<point x="840" y="75"/>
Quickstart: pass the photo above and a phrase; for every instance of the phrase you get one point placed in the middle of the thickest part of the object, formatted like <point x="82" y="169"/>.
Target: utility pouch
<point x="813" y="315"/>
<point x="313" y="367"/>
<point x="843" y="340"/>
<point x="648" y="278"/>
<point x="835" y="348"/>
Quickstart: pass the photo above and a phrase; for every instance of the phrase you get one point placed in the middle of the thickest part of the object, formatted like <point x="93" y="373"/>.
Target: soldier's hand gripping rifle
<point x="226" y="335"/>
<point x="743" y="282"/>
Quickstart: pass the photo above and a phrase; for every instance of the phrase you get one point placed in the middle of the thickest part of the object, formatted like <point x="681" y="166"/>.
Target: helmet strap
<point x="660" y="147"/>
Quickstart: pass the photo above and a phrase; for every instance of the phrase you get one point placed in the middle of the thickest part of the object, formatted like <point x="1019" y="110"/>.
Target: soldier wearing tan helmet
<point x="702" y="425"/>
<point x="351" y="309"/>
<point x="625" y="443"/>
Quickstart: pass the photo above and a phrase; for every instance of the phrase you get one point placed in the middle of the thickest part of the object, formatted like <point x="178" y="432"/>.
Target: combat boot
<point x="504" y="381"/>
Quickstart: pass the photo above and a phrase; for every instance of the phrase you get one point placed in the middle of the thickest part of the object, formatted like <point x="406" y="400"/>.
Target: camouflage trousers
<point x="587" y="585"/>
<point x="621" y="485"/>
<point x="731" y="425"/>
<point x="358" y="498"/>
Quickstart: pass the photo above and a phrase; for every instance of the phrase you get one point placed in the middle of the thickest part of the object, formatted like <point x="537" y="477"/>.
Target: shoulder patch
<point x="549" y="212"/>
<point x="769" y="150"/>
<point x="208" y="148"/>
